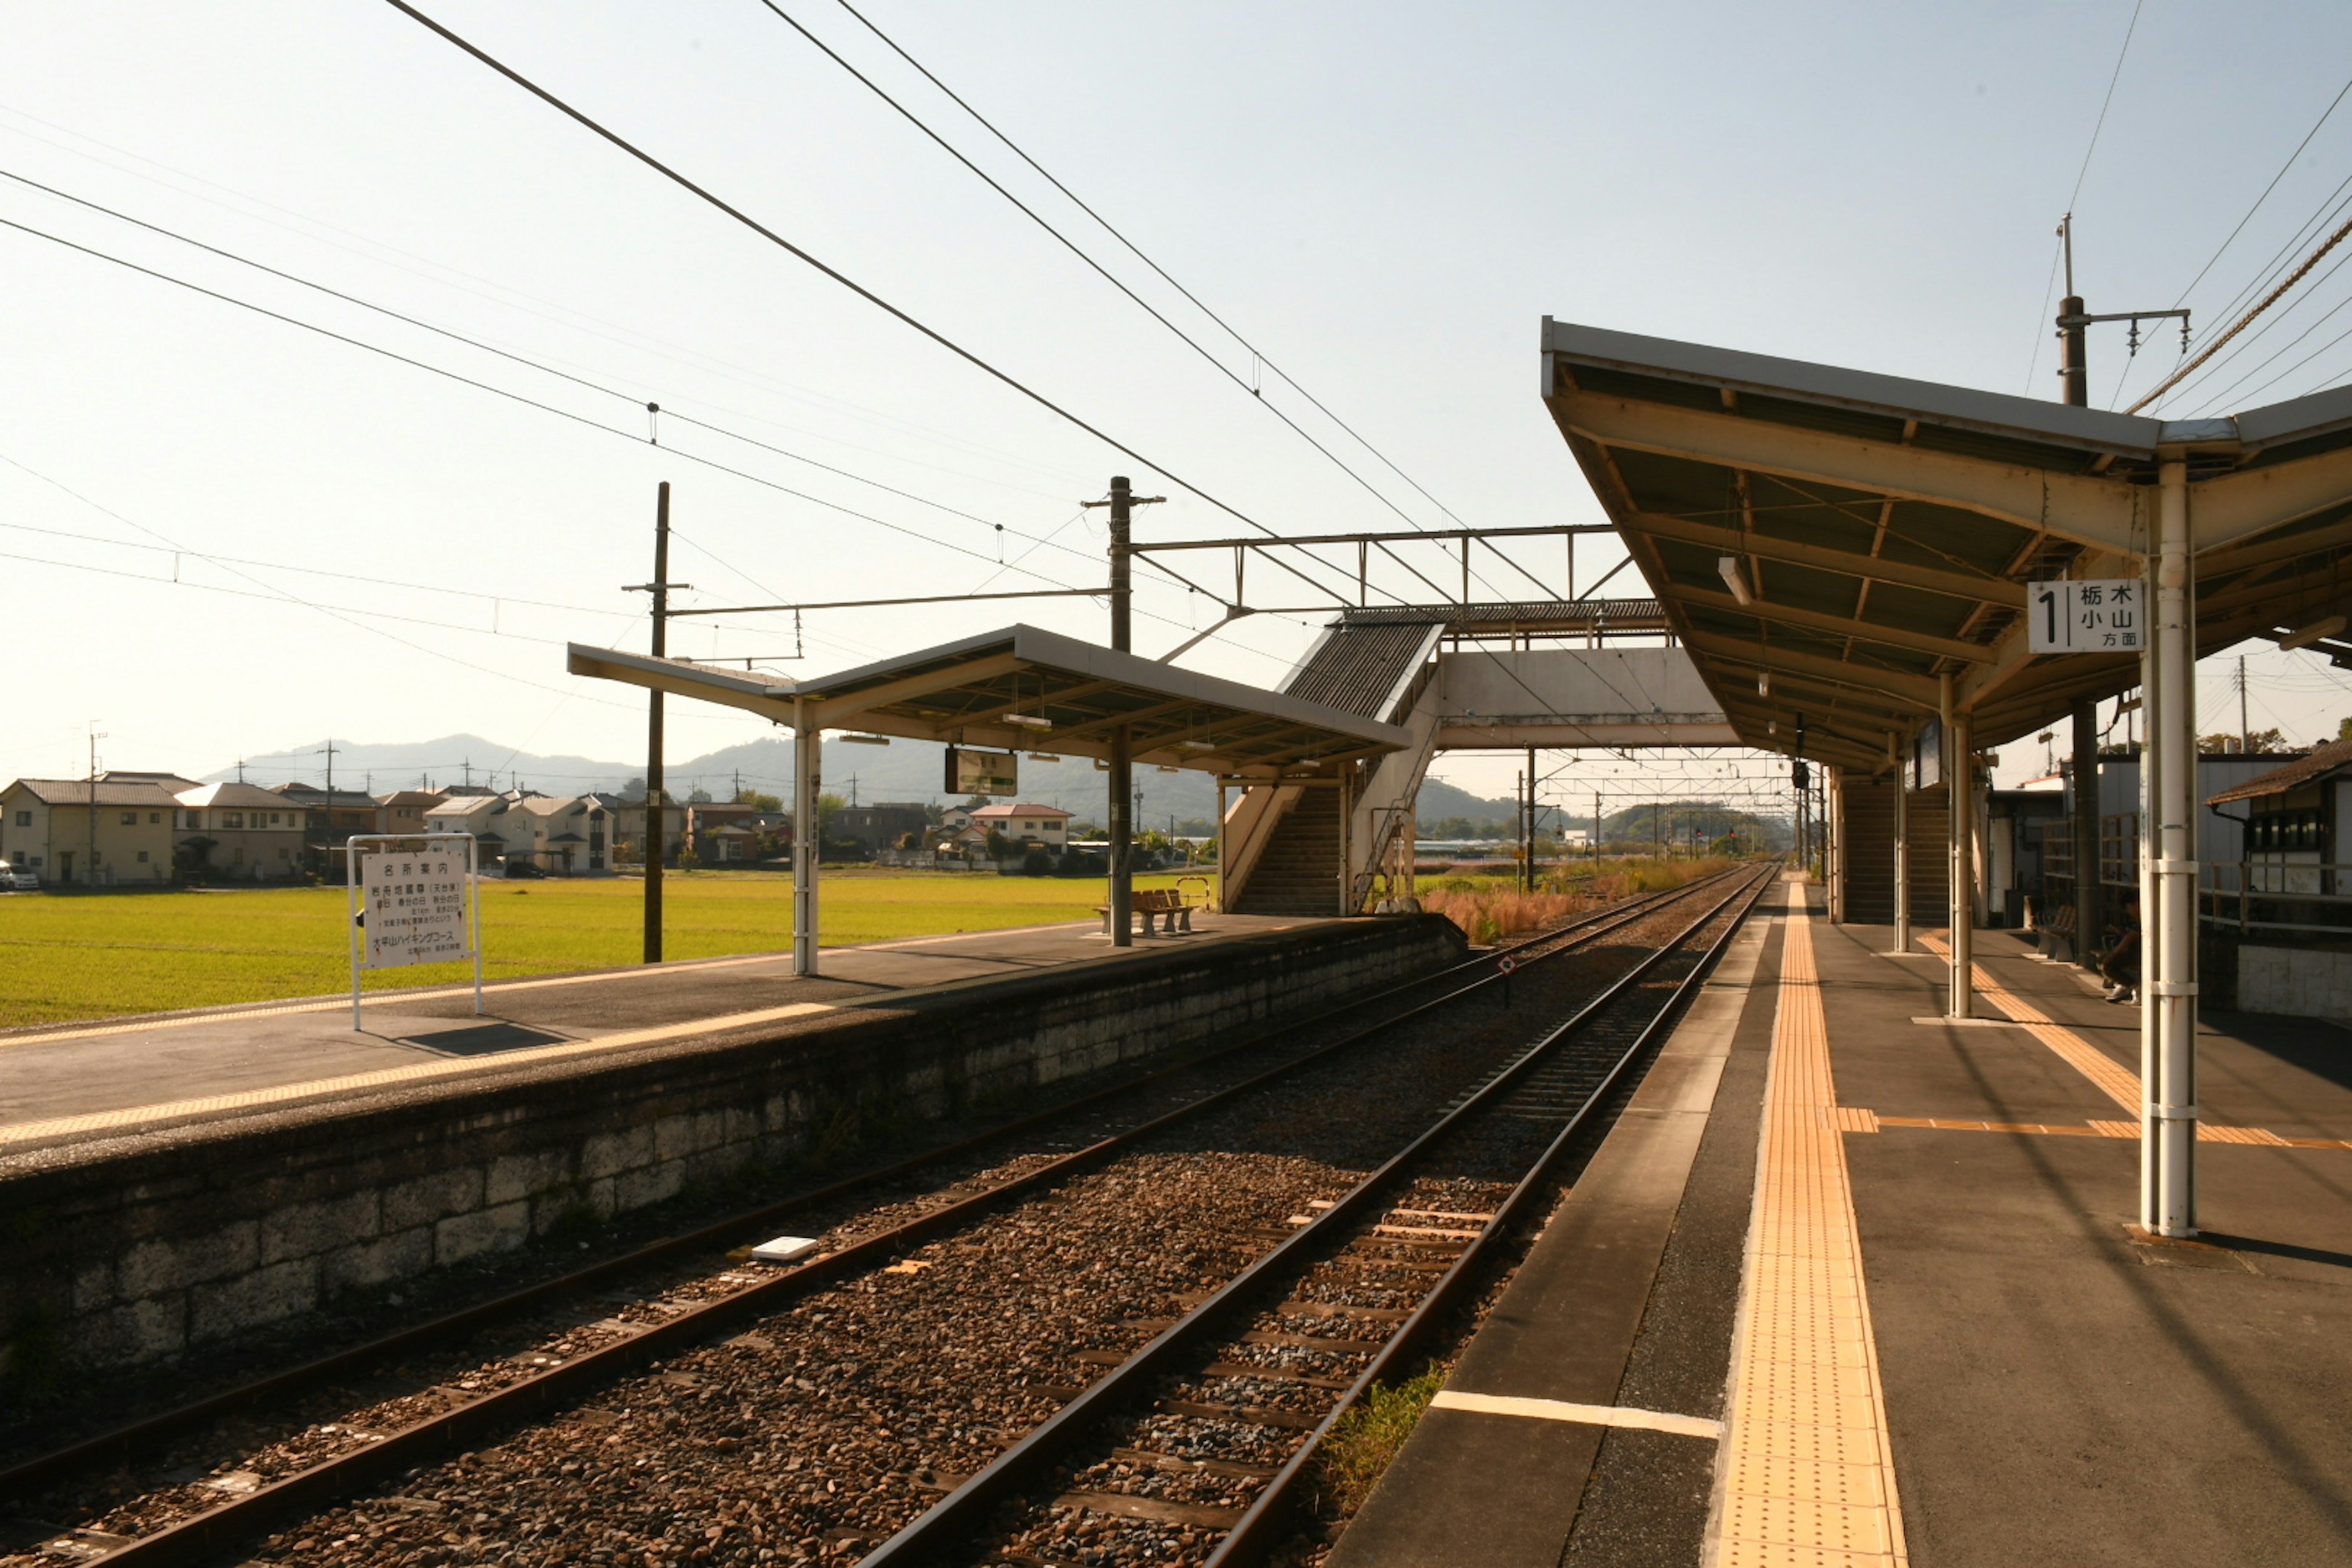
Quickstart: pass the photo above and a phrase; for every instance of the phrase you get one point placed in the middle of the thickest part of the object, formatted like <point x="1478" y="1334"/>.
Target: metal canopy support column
<point x="2168" y="949"/>
<point x="1902" y="844"/>
<point x="808" y="749"/>
<point x="1833" y="786"/>
<point x="2086" y="828"/>
<point x="1960" y="810"/>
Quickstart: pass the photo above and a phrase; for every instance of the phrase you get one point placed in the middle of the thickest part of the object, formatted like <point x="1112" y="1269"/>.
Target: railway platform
<point x="1849" y="1284"/>
<point x="106" y="1075"/>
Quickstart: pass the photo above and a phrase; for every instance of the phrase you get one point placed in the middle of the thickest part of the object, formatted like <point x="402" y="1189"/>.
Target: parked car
<point x="519" y="869"/>
<point x="19" y="879"/>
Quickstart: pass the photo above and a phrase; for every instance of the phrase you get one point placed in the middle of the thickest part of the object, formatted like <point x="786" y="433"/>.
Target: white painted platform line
<point x="1584" y="1415"/>
<point x="1806" y="1475"/>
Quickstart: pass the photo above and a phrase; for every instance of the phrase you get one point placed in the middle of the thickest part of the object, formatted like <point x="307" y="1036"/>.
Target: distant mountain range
<point x="903" y="770"/>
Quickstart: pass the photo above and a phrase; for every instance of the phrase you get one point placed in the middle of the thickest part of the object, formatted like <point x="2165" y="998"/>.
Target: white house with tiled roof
<point x="46" y="825"/>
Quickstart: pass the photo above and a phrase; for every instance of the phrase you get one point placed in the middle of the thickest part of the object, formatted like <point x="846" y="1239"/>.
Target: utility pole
<point x="90" y="867"/>
<point x="1596" y="830"/>
<point x="327" y="839"/>
<point x="2073" y="365"/>
<point x="2245" y="729"/>
<point x="656" y="808"/>
<point x="1123" y="794"/>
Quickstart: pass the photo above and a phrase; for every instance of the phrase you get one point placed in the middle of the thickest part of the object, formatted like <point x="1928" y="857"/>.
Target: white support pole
<point x="1960" y="811"/>
<point x="2168" y="948"/>
<point x="808" y="749"/>
<point x="351" y="920"/>
<point x="1902" y="846"/>
<point x="1835" y="859"/>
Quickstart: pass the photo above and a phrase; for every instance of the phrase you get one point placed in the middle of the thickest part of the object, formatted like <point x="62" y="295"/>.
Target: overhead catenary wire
<point x="633" y="399"/>
<point x="2267" y="301"/>
<point x="441" y="273"/>
<point x="510" y="396"/>
<point x="2333" y="104"/>
<point x="905" y="318"/>
<point x="1257" y="356"/>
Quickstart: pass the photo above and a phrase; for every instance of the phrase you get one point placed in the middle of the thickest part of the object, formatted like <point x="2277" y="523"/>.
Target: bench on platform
<point x="1155" y="903"/>
<point x="2056" y="936"/>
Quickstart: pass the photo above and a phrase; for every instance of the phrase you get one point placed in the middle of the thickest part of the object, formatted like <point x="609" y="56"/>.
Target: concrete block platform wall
<point x="133" y="1249"/>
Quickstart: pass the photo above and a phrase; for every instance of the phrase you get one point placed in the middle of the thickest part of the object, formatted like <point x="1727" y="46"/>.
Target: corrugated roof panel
<point x="1356" y="667"/>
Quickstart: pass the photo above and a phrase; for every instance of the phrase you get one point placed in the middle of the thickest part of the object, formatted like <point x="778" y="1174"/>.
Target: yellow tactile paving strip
<point x="1808" y="1476"/>
<point x="277" y="1094"/>
<point x="2118" y="1082"/>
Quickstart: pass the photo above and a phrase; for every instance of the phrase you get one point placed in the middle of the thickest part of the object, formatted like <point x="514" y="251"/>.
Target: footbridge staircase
<point x="1328" y="840"/>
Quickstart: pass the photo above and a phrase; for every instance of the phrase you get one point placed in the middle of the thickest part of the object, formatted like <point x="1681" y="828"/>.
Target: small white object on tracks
<point x="784" y="1250"/>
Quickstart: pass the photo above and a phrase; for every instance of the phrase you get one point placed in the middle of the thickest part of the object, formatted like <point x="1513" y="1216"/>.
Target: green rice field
<point x="95" y="955"/>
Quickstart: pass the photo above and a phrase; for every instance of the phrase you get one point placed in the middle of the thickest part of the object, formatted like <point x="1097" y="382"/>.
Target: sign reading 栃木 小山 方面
<point x="2095" y="615"/>
<point x="415" y="908"/>
<point x="983" y="773"/>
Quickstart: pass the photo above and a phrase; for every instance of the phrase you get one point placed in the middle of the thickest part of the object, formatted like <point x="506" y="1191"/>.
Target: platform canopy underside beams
<point x="1026" y="689"/>
<point x="1885" y="530"/>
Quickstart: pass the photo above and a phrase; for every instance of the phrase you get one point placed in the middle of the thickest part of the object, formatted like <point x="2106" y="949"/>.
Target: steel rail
<point x="1260" y="1529"/>
<point x="959" y="1514"/>
<point x="452" y="1430"/>
<point x="128" y="1438"/>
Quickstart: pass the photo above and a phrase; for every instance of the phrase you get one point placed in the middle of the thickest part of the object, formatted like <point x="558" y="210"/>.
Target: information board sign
<point x="412" y="899"/>
<point x="414" y="907"/>
<point x="983" y="773"/>
<point x="2094" y="615"/>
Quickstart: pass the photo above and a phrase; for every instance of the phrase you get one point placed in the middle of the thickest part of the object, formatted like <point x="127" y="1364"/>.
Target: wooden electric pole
<point x="656" y="808"/>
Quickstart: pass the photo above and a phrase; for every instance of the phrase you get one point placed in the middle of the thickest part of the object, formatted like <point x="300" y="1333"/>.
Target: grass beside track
<point x="88" y="956"/>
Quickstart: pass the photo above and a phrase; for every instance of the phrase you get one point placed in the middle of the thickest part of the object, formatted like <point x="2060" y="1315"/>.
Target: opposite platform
<point x="1901" y="1273"/>
<point x="108" y="1074"/>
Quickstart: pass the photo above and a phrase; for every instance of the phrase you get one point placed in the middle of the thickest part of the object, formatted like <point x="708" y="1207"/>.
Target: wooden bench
<point x="1155" y="903"/>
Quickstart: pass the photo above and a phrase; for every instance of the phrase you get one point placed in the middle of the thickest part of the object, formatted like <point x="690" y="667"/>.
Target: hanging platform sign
<point x="2095" y="615"/>
<point x="983" y="773"/>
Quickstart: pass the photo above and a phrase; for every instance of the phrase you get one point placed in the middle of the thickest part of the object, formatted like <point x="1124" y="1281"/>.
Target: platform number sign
<point x="2095" y="615"/>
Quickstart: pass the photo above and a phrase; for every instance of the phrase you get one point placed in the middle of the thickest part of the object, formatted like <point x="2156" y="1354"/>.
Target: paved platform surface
<point x="86" y="1078"/>
<point x="1900" y="1279"/>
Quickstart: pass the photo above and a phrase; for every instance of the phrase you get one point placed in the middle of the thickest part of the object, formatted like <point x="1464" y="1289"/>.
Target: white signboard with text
<point x="2096" y="616"/>
<point x="414" y="905"/>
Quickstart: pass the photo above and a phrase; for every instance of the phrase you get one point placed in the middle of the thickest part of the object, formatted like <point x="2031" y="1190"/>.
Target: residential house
<point x="706" y="819"/>
<point x="331" y="819"/>
<point x="629" y="823"/>
<point x="172" y="782"/>
<point x="402" y="811"/>
<point x="121" y="837"/>
<point x="1048" y="825"/>
<point x="879" y="826"/>
<point x="240" y="831"/>
<point x="480" y="816"/>
<point x="561" y="835"/>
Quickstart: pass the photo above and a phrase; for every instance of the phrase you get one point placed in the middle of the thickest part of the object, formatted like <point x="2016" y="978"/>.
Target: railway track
<point x="1177" y="1445"/>
<point x="594" y="1333"/>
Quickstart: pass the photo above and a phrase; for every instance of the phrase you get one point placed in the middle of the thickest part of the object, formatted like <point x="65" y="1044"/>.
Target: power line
<point x="443" y="274"/>
<point x="1004" y="377"/>
<point x="2100" y="124"/>
<point x="2332" y="105"/>
<point x="2267" y="301"/>
<point x="1137" y="251"/>
<point x="632" y="399"/>
<point x="527" y="402"/>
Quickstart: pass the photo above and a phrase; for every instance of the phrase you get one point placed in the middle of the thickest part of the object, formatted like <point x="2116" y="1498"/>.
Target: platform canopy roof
<point x="1885" y="530"/>
<point x="979" y="690"/>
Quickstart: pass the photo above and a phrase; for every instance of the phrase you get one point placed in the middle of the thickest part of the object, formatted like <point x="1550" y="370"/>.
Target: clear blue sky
<point x="1385" y="198"/>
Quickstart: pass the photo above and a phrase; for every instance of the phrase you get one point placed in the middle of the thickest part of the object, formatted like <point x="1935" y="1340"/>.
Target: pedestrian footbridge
<point x="1319" y="840"/>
